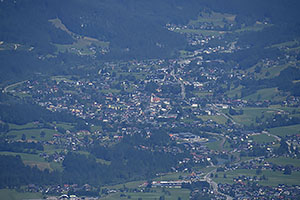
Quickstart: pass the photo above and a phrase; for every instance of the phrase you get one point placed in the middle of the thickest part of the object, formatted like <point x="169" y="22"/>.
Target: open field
<point x="285" y="130"/>
<point x="285" y="161"/>
<point x="25" y="126"/>
<point x="265" y="94"/>
<point x="82" y="45"/>
<point x="250" y="114"/>
<point x="35" y="160"/>
<point x="33" y="134"/>
<point x="262" y="138"/>
<point x="169" y="194"/>
<point x="217" y="19"/>
<point x="273" y="178"/>
<point x="220" y="119"/>
<point x="170" y="176"/>
<point x="7" y="194"/>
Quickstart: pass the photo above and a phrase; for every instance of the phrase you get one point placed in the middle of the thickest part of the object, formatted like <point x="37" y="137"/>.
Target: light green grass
<point x="273" y="178"/>
<point x="271" y="94"/>
<point x="130" y="185"/>
<point x="156" y="194"/>
<point x="33" y="134"/>
<point x="24" y="156"/>
<point x="250" y="114"/>
<point x="96" y="128"/>
<point x="262" y="138"/>
<point x="35" y="160"/>
<point x="25" y="126"/>
<point x="219" y="119"/>
<point x="285" y="161"/>
<point x="203" y="32"/>
<point x="6" y="194"/>
<point x="214" y="145"/>
<point x="254" y="27"/>
<point x="285" y="130"/>
<point x="171" y="176"/>
<point x="66" y="126"/>
<point x="236" y="92"/>
<point x="215" y="18"/>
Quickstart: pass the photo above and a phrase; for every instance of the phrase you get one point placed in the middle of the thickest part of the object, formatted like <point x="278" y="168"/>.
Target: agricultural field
<point x="262" y="138"/>
<point x="33" y="134"/>
<point x="272" y="178"/>
<point x="250" y="114"/>
<point x="219" y="119"/>
<point x="285" y="161"/>
<point x="270" y="94"/>
<point x="35" y="160"/>
<point x="7" y="194"/>
<point x="285" y="130"/>
<point x="155" y="193"/>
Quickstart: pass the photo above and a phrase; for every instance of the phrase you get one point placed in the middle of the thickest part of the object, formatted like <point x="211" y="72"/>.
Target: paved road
<point x="12" y="85"/>
<point x="214" y="185"/>
<point x="183" y="94"/>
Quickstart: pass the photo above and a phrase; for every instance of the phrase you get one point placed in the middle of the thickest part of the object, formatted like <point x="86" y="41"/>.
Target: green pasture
<point x="35" y="160"/>
<point x="271" y="94"/>
<point x="262" y="138"/>
<point x="219" y="119"/>
<point x="285" y="161"/>
<point x="7" y="194"/>
<point x="285" y="130"/>
<point x="33" y="134"/>
<point x="169" y="194"/>
<point x="250" y="114"/>
<point x="272" y="178"/>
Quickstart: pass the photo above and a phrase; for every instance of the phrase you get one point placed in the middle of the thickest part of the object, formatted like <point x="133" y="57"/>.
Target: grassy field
<point x="220" y="119"/>
<point x="262" y="138"/>
<point x="33" y="134"/>
<point x="285" y="161"/>
<point x="202" y="32"/>
<point x="236" y="92"/>
<point x="216" y="145"/>
<point x="271" y="94"/>
<point x="171" y="176"/>
<point x="273" y="178"/>
<point x="82" y="45"/>
<point x="20" y="127"/>
<point x="6" y="194"/>
<point x="169" y="194"/>
<point x="285" y="130"/>
<point x="35" y="160"/>
<point x="250" y="114"/>
<point x="217" y="19"/>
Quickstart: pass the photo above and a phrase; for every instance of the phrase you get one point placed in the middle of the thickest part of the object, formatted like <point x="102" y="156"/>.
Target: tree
<point x="23" y="137"/>
<point x="287" y="170"/>
<point x="42" y="134"/>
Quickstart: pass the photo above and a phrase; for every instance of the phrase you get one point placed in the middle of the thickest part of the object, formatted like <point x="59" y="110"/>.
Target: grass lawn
<point x="285" y="161"/>
<point x="285" y="130"/>
<point x="170" y="177"/>
<point x="6" y="194"/>
<point x="265" y="94"/>
<point x="236" y="92"/>
<point x="20" y="127"/>
<point x="169" y="194"/>
<point x="66" y="126"/>
<point x="262" y="138"/>
<point x="214" y="145"/>
<point x="273" y="178"/>
<point x="33" y="134"/>
<point x="250" y="114"/>
<point x="35" y="160"/>
<point x="220" y="119"/>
